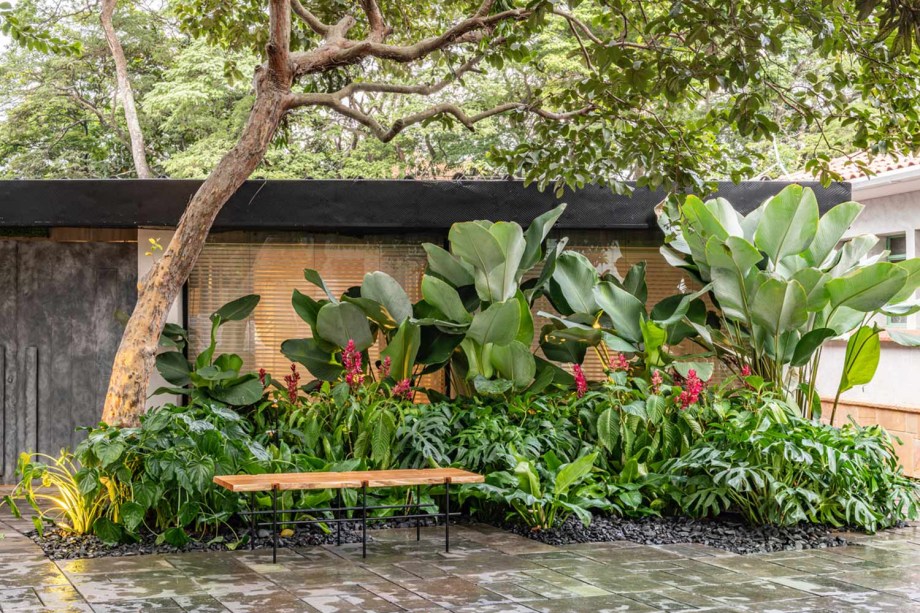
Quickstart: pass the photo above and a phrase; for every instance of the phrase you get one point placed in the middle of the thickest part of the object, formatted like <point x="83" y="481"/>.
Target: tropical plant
<point x="76" y="503"/>
<point x="607" y="314"/>
<point x="209" y="378"/>
<point x="543" y="493"/>
<point x="775" y="467"/>
<point x="784" y="285"/>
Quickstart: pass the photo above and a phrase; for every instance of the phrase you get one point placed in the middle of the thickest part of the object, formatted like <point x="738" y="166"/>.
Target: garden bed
<point x="724" y="533"/>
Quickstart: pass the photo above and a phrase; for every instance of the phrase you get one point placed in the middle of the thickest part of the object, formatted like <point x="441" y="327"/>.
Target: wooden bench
<point x="363" y="480"/>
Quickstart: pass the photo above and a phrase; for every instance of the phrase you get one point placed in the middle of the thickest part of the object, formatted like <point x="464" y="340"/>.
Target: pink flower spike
<point x="619" y="363"/>
<point x="262" y="374"/>
<point x="581" y="383"/>
<point x="351" y="360"/>
<point x="745" y="371"/>
<point x="385" y="367"/>
<point x="656" y="382"/>
<point x="292" y="380"/>
<point x="692" y="388"/>
<point x="403" y="390"/>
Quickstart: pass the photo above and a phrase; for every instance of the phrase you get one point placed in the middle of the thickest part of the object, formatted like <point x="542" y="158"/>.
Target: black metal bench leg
<point x="418" y="511"/>
<point x="252" y="521"/>
<point x="274" y="525"/>
<point x="338" y="516"/>
<point x="364" y="519"/>
<point x="447" y="516"/>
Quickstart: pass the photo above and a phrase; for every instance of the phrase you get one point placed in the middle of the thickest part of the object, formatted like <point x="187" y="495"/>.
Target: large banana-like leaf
<point x="306" y="307"/>
<point x="867" y="289"/>
<point x="448" y="266"/>
<point x="515" y="362"/>
<point x="733" y="253"/>
<point x="497" y="325"/>
<point x="384" y="289"/>
<point x="236" y="310"/>
<point x="911" y="283"/>
<point x="861" y="358"/>
<point x="494" y="252"/>
<point x="851" y="254"/>
<point x="445" y="298"/>
<point x="525" y="327"/>
<point x="831" y="228"/>
<point x="779" y="306"/>
<point x="321" y="364"/>
<point x="536" y="233"/>
<point x="574" y="278"/>
<point x="624" y="310"/>
<point x="339" y="323"/>
<point x="814" y="283"/>
<point x="788" y="224"/>
<point x="314" y="277"/>
<point x="402" y="350"/>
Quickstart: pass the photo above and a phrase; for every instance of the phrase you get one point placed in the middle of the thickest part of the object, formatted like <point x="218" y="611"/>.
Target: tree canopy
<point x="672" y="93"/>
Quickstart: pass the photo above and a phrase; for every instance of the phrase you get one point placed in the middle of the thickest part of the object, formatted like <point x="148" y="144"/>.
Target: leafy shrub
<point x="544" y="492"/>
<point x="774" y="467"/>
<point x="77" y="505"/>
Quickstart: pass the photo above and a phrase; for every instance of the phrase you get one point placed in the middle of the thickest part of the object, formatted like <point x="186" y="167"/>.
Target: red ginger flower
<point x="581" y="384"/>
<point x="656" y="382"/>
<point x="262" y="374"/>
<point x="292" y="380"/>
<point x="745" y="371"/>
<point x="619" y="363"/>
<point x="403" y="390"/>
<point x="385" y="367"/>
<point x="693" y="386"/>
<point x="351" y="360"/>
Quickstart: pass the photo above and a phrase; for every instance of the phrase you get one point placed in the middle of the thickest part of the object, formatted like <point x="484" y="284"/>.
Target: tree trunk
<point x="125" y="92"/>
<point x="134" y="362"/>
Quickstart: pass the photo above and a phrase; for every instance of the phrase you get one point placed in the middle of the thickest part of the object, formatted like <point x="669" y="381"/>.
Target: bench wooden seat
<point x="359" y="479"/>
<point x="339" y="480"/>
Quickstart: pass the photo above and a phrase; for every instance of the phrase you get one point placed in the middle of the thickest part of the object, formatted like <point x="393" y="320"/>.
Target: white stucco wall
<point x="144" y="264"/>
<point x="897" y="380"/>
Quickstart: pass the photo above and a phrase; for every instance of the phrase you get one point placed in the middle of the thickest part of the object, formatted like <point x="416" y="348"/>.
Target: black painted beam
<point x="340" y="205"/>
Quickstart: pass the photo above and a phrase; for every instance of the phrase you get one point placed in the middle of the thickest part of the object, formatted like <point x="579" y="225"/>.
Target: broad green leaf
<point x="515" y="363"/>
<point x="321" y="364"/>
<point x="374" y="311"/>
<point x="634" y="281"/>
<point x="448" y="266"/>
<point x="132" y="514"/>
<point x="808" y="344"/>
<point x="867" y="289"/>
<point x="813" y="281"/>
<point x="576" y="277"/>
<point x="503" y="279"/>
<point x="703" y="370"/>
<point x="788" y="224"/>
<point x="734" y="253"/>
<point x="498" y="324"/>
<point x="525" y="328"/>
<point x="861" y="358"/>
<point x="535" y="235"/>
<point x="381" y="287"/>
<point x="779" y="306"/>
<point x="653" y="338"/>
<point x="306" y="308"/>
<point x="244" y="393"/>
<point x="342" y="322"/>
<point x="572" y="473"/>
<point x="475" y="245"/>
<point x="107" y="531"/>
<point x="173" y="366"/>
<point x="445" y="298"/>
<point x="906" y="339"/>
<point x="731" y="293"/>
<point x="911" y="283"/>
<point x="852" y="253"/>
<point x="625" y="310"/>
<point x="402" y="350"/>
<point x="236" y="310"/>
<point x="561" y="349"/>
<point x="314" y="277"/>
<point x="491" y="387"/>
<point x="831" y="228"/>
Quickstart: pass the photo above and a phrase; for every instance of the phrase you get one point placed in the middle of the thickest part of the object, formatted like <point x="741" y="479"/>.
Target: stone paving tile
<point x="749" y="593"/>
<point x="454" y="593"/>
<point x="900" y="581"/>
<point x="822" y="585"/>
<point x="594" y="604"/>
<point x="19" y="599"/>
<point x="162" y="605"/>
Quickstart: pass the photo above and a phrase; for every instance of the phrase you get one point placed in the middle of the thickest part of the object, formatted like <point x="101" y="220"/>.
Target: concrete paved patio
<point x="487" y="571"/>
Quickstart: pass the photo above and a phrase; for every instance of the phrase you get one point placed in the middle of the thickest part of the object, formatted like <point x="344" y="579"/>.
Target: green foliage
<point x="774" y="467"/>
<point x="67" y="498"/>
<point x="783" y="284"/>
<point x="209" y="378"/>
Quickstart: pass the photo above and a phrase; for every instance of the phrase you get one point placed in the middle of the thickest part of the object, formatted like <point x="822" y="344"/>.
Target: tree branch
<point x="279" y="39"/>
<point x="309" y="18"/>
<point x="379" y="30"/>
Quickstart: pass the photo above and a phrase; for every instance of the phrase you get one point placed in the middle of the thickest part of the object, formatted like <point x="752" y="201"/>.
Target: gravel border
<point x="724" y="533"/>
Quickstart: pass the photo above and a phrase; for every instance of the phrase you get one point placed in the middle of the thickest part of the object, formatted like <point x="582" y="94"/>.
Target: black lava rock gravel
<point x="728" y="534"/>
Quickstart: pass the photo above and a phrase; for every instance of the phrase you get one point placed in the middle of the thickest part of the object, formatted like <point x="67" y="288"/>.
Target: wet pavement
<point x="487" y="571"/>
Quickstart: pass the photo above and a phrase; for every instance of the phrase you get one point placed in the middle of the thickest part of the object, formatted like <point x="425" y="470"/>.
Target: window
<point x="896" y="245"/>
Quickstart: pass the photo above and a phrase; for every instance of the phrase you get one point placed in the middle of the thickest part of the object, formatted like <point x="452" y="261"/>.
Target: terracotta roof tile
<point x="848" y="168"/>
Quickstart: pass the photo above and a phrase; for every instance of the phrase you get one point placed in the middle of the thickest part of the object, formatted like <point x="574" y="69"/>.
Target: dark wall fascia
<point x="348" y="205"/>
